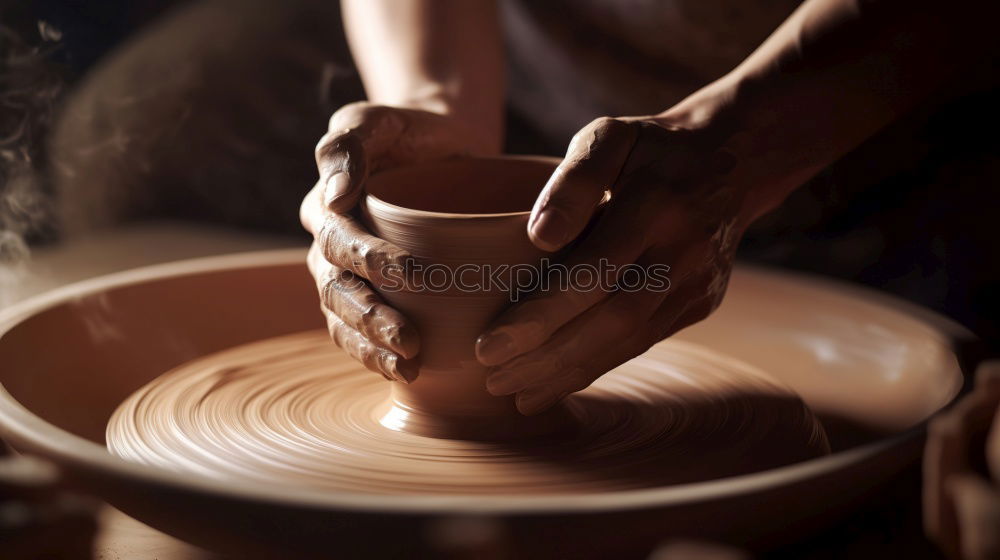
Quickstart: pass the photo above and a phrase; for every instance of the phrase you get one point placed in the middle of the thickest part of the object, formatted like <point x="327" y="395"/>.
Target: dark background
<point x="913" y="211"/>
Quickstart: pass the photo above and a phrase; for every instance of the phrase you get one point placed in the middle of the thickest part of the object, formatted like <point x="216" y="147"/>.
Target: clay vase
<point x="465" y="221"/>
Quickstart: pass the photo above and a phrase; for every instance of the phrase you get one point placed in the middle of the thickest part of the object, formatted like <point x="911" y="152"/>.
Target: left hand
<point x="345" y="259"/>
<point x="671" y="205"/>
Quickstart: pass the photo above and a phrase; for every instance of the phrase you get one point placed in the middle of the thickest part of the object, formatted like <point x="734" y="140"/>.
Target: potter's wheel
<point x="295" y="411"/>
<point x="872" y="370"/>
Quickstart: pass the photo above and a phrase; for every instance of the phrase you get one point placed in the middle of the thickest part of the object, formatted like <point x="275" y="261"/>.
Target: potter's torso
<point x="574" y="60"/>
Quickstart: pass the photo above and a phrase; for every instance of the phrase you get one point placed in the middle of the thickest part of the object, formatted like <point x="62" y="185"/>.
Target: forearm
<point x="444" y="56"/>
<point x="832" y="75"/>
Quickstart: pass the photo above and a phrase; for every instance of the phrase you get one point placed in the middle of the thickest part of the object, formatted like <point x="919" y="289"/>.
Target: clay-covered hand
<point x="670" y="206"/>
<point x="344" y="258"/>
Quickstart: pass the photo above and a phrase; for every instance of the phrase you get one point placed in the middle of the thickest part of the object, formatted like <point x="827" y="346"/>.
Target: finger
<point x="601" y="338"/>
<point x="311" y="212"/>
<point x="346" y="244"/>
<point x="600" y="328"/>
<point x="375" y="358"/>
<point x="588" y="276"/>
<point x="347" y="296"/>
<point x="356" y="304"/>
<point x="593" y="162"/>
<point x="537" y="399"/>
<point x="977" y="508"/>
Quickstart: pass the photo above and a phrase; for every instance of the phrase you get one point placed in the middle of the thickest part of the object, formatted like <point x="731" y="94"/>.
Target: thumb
<point x="593" y="162"/>
<point x="343" y="166"/>
<point x="359" y="134"/>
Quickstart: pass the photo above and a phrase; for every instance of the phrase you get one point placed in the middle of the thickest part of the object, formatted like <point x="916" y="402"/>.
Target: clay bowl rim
<point x="371" y="200"/>
<point x="28" y="432"/>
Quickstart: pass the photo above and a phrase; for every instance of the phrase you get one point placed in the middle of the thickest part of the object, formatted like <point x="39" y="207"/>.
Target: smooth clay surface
<point x="465" y="222"/>
<point x="296" y="411"/>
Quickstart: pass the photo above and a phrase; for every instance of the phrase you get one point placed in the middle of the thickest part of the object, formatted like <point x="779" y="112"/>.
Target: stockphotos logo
<point x="521" y="279"/>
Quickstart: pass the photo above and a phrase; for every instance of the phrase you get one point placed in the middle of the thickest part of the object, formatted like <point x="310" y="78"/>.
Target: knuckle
<point x="356" y="106"/>
<point x="393" y="334"/>
<point x="327" y="149"/>
<point x="307" y="210"/>
<point x="372" y="259"/>
<point x="368" y="316"/>
<point x="327" y="231"/>
<point x="368" y="300"/>
<point x="600" y="127"/>
<point x="603" y="123"/>
<point x="357" y="250"/>
<point x="339" y="285"/>
<point x="334" y="327"/>
<point x="322" y="149"/>
<point x="354" y="284"/>
<point x="328" y="238"/>
<point x="339" y="151"/>
<point x="328" y="292"/>
<point x="395" y="256"/>
<point x="357" y="254"/>
<point x="585" y="135"/>
<point x="346" y="113"/>
<point x="313" y="258"/>
<point x="381" y="257"/>
<point x="369" y="110"/>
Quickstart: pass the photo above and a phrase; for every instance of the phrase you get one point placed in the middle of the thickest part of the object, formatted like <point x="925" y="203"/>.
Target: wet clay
<point x="465" y="223"/>
<point x="296" y="411"/>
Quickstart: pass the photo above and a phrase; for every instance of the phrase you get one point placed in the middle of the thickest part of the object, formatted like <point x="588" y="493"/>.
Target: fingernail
<point x="503" y="382"/>
<point x="535" y="401"/>
<point x="336" y="188"/>
<point x="495" y="348"/>
<point x="550" y="230"/>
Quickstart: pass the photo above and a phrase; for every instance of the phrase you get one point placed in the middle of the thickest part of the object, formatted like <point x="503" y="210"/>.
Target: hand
<point x="344" y="257"/>
<point x="671" y="205"/>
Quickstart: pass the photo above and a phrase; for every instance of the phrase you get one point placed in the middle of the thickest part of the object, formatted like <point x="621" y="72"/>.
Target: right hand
<point x="345" y="259"/>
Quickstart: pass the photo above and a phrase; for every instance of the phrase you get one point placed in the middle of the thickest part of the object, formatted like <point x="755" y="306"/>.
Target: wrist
<point x="480" y="129"/>
<point x="769" y="158"/>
